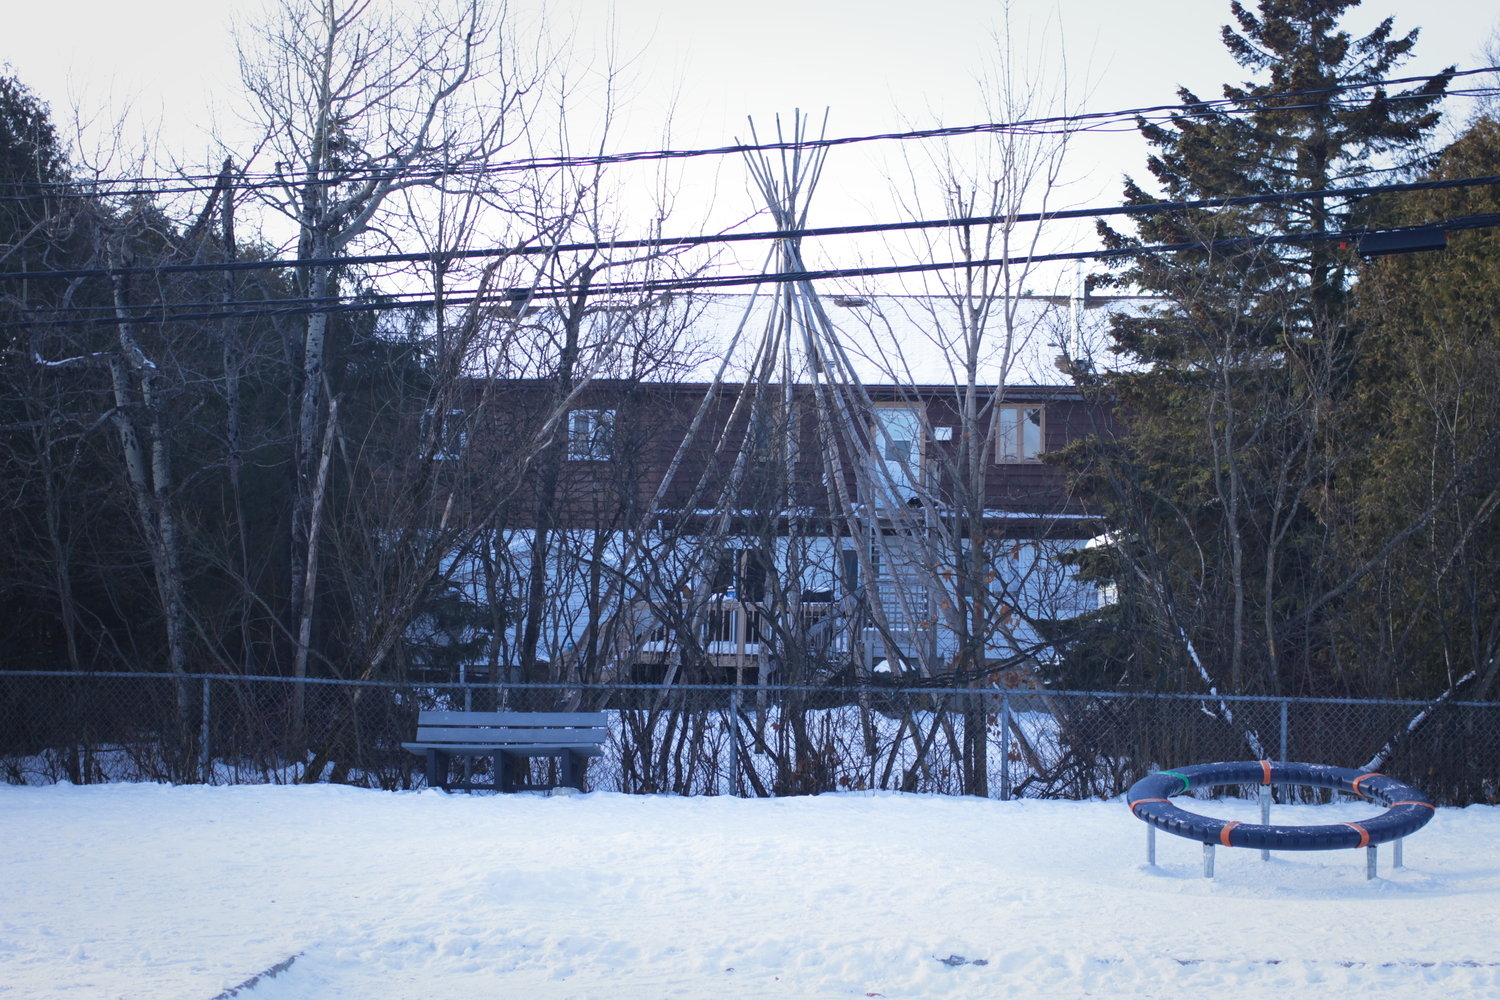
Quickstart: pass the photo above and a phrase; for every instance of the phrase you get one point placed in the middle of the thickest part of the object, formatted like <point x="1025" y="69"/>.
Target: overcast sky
<point x="878" y="65"/>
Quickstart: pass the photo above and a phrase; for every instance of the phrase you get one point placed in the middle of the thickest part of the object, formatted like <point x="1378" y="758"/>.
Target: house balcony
<point x="737" y="637"/>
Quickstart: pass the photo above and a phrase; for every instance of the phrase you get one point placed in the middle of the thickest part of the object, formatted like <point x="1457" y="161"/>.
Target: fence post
<point x="203" y="755"/>
<point x="1283" y="730"/>
<point x="734" y="741"/>
<point x="977" y="742"/>
<point x="463" y="678"/>
<point x="1005" y="747"/>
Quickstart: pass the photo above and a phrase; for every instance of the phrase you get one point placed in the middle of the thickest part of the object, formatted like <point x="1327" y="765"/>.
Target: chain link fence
<point x="721" y="740"/>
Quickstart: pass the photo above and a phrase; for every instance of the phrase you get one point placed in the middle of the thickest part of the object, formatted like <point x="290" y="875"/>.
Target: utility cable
<point x="519" y="299"/>
<point x="1054" y="124"/>
<point x="1149" y="208"/>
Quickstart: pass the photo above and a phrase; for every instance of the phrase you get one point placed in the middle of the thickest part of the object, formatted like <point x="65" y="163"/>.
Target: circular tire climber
<point x="1407" y="810"/>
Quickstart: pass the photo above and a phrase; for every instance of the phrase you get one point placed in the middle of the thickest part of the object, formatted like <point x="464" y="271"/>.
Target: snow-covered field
<point x="147" y="891"/>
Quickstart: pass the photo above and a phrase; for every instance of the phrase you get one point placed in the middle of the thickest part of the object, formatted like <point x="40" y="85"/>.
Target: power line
<point x="519" y="298"/>
<point x="784" y="234"/>
<point x="1044" y="125"/>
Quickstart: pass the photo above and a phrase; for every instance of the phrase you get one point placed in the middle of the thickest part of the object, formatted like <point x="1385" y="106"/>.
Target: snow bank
<point x="148" y="891"/>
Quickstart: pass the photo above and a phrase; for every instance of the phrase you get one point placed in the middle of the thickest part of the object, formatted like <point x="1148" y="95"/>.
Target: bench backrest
<point x="513" y="728"/>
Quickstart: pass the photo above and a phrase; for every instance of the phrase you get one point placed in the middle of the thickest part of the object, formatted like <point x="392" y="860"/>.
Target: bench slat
<point x="585" y="719"/>
<point x="432" y="734"/>
<point x="514" y="750"/>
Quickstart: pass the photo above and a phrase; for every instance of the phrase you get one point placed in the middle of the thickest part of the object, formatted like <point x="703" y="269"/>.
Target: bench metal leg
<point x="437" y="769"/>
<point x="512" y="769"/>
<point x="572" y="769"/>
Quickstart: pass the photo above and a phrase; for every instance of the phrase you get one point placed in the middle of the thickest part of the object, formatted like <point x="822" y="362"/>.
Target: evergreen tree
<point x="1429" y="442"/>
<point x="45" y="476"/>
<point x="30" y="159"/>
<point x="1218" y="486"/>
<point x="1315" y="136"/>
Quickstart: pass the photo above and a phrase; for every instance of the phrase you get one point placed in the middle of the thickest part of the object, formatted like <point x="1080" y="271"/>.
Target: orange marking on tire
<point x="1429" y="805"/>
<point x="1364" y="835"/>
<point x="1354" y="785"/>
<point x="1139" y="801"/>
<point x="1224" y="833"/>
<point x="1265" y="768"/>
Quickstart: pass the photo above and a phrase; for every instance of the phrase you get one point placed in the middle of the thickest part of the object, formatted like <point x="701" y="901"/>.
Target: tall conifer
<point x="1315" y="137"/>
<point x="1225" y="551"/>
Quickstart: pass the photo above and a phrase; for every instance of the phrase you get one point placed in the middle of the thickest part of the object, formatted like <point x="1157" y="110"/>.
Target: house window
<point x="740" y="573"/>
<point x="451" y="434"/>
<point x="768" y="435"/>
<point x="849" y="561"/>
<point x="591" y="435"/>
<point x="897" y="469"/>
<point x="1019" y="435"/>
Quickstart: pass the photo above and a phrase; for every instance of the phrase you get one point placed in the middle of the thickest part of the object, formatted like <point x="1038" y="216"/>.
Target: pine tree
<point x="30" y="157"/>
<point x="1296" y="130"/>
<point x="31" y="161"/>
<point x="1429" y="442"/>
<point x="1217" y="488"/>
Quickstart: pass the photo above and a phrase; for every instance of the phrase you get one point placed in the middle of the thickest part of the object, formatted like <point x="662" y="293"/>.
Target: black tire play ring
<point x="1407" y="810"/>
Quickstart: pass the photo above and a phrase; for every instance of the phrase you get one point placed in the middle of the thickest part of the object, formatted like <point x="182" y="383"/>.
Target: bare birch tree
<point x="981" y="320"/>
<point x="357" y="101"/>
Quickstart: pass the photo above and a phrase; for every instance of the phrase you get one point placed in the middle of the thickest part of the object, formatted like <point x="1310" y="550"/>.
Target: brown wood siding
<point x="652" y="420"/>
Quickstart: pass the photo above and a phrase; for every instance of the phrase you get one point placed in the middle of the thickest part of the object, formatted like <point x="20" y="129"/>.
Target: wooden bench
<point x="504" y="736"/>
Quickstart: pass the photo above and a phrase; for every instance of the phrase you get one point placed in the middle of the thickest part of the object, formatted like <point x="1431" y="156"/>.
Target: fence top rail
<point x="744" y="689"/>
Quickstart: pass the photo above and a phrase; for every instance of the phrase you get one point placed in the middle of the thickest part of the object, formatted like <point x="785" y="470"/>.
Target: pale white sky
<point x="879" y="65"/>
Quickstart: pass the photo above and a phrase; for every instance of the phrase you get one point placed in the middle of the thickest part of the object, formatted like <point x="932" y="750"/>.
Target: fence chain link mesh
<point x="721" y="740"/>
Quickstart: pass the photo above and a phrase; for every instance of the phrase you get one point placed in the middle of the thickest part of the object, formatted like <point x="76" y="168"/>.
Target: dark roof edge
<point x="883" y="390"/>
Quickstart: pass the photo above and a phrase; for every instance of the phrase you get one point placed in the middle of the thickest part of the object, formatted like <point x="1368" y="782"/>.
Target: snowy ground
<point x="146" y="891"/>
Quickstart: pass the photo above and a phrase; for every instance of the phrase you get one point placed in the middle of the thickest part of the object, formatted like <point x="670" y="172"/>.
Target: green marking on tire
<point x="1186" y="784"/>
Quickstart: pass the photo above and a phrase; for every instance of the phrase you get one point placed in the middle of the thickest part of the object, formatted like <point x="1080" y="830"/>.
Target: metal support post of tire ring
<point x="1265" y="816"/>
